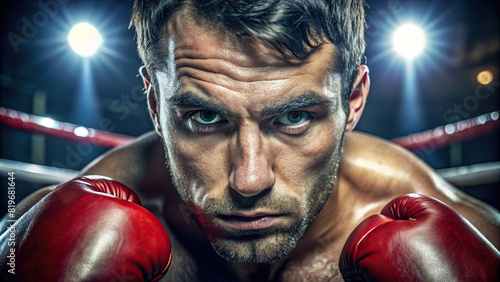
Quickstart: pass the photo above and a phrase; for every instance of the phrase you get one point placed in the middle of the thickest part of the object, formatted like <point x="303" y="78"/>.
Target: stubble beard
<point x="272" y="244"/>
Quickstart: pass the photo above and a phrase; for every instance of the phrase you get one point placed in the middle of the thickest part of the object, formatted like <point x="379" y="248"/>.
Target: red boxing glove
<point x="88" y="229"/>
<point x="418" y="238"/>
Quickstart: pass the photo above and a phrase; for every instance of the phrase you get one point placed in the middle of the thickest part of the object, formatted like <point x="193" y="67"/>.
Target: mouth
<point x="250" y="221"/>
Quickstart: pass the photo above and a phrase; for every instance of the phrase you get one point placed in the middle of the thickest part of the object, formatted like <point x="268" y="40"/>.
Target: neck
<point x="325" y="229"/>
<point x="252" y="271"/>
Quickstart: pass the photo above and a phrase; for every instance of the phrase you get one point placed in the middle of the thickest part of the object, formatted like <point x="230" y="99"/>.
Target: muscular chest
<point x="186" y="268"/>
<point x="319" y="265"/>
<point x="319" y="268"/>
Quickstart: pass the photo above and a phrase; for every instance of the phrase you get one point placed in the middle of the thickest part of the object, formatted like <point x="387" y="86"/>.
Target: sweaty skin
<point x="372" y="172"/>
<point x="249" y="151"/>
<point x="248" y="133"/>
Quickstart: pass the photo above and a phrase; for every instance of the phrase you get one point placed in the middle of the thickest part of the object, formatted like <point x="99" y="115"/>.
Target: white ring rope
<point x="476" y="174"/>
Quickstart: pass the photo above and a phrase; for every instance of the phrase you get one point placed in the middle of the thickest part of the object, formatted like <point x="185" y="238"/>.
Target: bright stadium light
<point x="409" y="41"/>
<point x="84" y="39"/>
<point x="485" y="77"/>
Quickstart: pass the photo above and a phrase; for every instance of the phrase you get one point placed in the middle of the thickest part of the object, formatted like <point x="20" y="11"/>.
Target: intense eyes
<point x="293" y="122"/>
<point x="293" y="118"/>
<point x="207" y="117"/>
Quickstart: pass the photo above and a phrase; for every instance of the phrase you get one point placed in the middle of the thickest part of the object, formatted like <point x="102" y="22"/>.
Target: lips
<point x="247" y="221"/>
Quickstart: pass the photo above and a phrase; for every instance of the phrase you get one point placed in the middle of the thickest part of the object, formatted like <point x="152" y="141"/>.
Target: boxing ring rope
<point x="63" y="130"/>
<point x="451" y="133"/>
<point x="438" y="137"/>
<point x="38" y="174"/>
<point x="469" y="175"/>
<point x="460" y="176"/>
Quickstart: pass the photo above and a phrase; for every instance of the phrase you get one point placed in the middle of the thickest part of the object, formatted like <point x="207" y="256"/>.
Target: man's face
<point x="253" y="140"/>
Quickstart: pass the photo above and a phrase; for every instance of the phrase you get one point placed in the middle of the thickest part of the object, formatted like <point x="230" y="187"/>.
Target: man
<point x="254" y="106"/>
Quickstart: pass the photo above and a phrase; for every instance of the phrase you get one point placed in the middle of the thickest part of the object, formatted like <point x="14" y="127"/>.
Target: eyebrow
<point x="190" y="100"/>
<point x="308" y="99"/>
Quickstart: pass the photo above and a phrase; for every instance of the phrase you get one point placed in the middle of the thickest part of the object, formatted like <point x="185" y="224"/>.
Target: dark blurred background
<point x="40" y="74"/>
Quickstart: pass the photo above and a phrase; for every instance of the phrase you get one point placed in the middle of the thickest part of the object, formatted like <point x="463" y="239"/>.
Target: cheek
<point x="199" y="163"/>
<point x="308" y="167"/>
<point x="200" y="158"/>
<point x="315" y="151"/>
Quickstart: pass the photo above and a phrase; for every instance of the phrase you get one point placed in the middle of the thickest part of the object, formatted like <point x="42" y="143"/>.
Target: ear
<point x="357" y="101"/>
<point x="152" y="103"/>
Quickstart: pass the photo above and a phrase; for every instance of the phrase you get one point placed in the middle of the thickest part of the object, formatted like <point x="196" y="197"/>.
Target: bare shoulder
<point x="134" y="164"/>
<point x="384" y="170"/>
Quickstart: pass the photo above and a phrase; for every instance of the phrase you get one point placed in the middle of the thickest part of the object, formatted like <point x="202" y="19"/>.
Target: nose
<point x="251" y="172"/>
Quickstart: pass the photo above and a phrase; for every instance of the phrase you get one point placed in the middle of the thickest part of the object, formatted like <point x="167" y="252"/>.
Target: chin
<point x="257" y="250"/>
<point x="259" y="247"/>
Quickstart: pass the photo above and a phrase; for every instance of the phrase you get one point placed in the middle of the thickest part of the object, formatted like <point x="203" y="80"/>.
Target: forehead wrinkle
<point x="213" y="50"/>
<point x="231" y="71"/>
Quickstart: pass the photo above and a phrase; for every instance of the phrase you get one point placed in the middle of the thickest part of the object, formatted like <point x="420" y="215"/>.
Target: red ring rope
<point x="62" y="130"/>
<point x="438" y="137"/>
<point x="442" y="136"/>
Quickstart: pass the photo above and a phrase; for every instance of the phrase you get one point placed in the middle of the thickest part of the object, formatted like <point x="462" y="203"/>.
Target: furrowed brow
<point x="188" y="100"/>
<point x="309" y="99"/>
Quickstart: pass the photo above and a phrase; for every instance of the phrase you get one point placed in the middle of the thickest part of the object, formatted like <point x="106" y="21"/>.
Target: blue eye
<point x="207" y="117"/>
<point x="293" y="118"/>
